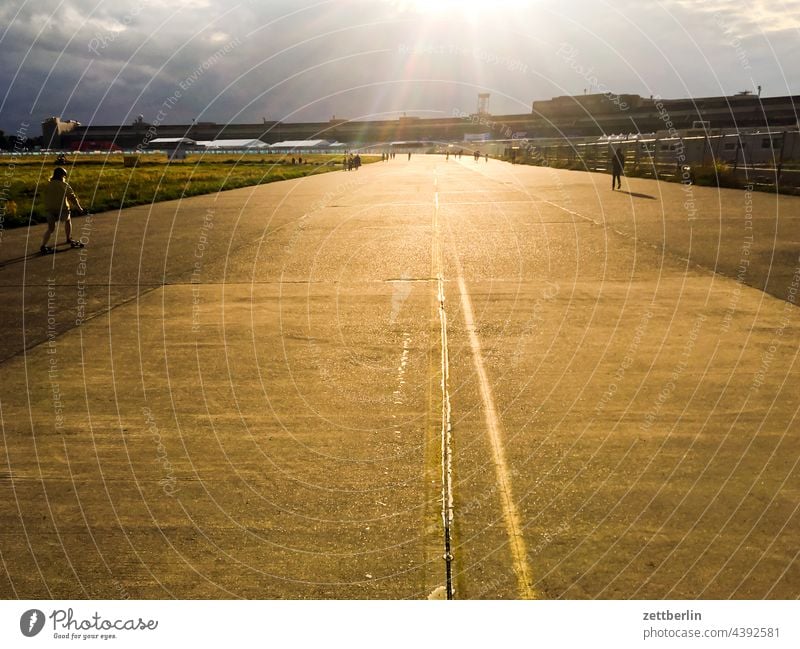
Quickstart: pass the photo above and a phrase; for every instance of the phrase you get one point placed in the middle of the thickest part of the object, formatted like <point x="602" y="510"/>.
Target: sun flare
<point x="459" y="8"/>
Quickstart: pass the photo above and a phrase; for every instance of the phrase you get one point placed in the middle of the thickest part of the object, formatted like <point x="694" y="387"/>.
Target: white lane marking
<point x="447" y="428"/>
<point x="401" y="372"/>
<point x="519" y="555"/>
<point x="569" y="211"/>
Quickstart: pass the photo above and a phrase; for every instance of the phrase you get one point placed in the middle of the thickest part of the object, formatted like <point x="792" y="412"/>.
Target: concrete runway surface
<point x="318" y="388"/>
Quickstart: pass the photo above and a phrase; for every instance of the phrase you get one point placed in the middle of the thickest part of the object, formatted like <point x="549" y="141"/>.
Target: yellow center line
<point x="519" y="555"/>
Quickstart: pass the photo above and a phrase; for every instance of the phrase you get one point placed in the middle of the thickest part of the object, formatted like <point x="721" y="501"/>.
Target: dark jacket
<point x="617" y="161"/>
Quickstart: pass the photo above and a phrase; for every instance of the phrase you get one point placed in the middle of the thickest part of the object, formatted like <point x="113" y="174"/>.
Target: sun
<point x="458" y="8"/>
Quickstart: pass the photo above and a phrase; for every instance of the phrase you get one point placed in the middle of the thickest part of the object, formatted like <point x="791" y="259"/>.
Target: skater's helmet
<point x="59" y="173"/>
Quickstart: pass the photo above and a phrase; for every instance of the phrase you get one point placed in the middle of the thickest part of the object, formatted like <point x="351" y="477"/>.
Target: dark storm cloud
<point x="113" y="60"/>
<point x="103" y="62"/>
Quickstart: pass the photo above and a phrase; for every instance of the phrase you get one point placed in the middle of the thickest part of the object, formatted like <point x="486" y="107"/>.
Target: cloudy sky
<point x="172" y="61"/>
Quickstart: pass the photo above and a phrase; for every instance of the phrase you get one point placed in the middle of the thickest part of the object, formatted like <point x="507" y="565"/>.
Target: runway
<point x="423" y="379"/>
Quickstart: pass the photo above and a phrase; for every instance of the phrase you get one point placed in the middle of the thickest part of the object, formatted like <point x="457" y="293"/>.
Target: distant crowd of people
<point x="352" y="162"/>
<point x="475" y="154"/>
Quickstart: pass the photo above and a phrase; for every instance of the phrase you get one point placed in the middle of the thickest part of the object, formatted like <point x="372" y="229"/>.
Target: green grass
<point x="103" y="183"/>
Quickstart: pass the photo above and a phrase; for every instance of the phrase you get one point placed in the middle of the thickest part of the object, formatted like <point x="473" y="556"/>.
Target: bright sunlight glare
<point x="458" y="8"/>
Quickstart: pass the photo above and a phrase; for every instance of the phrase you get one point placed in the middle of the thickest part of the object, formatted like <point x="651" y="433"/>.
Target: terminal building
<point x="587" y="115"/>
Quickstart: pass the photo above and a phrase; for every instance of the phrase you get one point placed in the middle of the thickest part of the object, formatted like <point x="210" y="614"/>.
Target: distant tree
<point x="3" y="141"/>
<point x="17" y="143"/>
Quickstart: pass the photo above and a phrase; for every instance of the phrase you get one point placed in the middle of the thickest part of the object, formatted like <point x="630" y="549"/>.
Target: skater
<point x="58" y="199"/>
<point x="617" y="166"/>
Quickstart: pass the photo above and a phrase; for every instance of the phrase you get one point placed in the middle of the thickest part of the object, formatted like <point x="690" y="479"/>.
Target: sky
<point x="172" y="61"/>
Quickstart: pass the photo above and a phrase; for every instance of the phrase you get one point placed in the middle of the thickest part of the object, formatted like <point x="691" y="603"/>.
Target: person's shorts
<point x="52" y="218"/>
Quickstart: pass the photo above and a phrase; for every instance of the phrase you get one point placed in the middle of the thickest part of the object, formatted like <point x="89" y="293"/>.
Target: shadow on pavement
<point x="637" y="194"/>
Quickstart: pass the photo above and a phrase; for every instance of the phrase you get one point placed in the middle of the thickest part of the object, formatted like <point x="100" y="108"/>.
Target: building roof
<point x="172" y="140"/>
<point x="233" y="144"/>
<point x="301" y="144"/>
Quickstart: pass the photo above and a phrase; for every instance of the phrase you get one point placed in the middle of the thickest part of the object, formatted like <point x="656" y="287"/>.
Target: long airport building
<point x="560" y="117"/>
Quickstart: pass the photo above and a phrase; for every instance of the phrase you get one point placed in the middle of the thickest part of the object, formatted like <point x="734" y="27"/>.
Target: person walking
<point x="617" y="167"/>
<point x="58" y="200"/>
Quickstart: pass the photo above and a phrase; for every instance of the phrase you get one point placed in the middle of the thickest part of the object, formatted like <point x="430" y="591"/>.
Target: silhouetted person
<point x="617" y="166"/>
<point x="409" y="155"/>
<point x="58" y="200"/>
